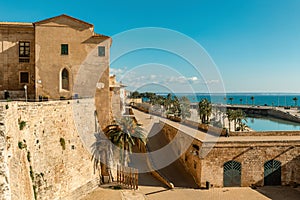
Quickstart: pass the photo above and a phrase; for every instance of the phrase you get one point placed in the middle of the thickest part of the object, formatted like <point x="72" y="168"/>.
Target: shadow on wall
<point x="274" y="172"/>
<point x="15" y="72"/>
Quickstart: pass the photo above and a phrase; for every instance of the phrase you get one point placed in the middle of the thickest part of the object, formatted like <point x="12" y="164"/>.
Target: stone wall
<point x="186" y="144"/>
<point x="47" y="158"/>
<point x="252" y="158"/>
<point x="266" y="133"/>
<point x="205" y="161"/>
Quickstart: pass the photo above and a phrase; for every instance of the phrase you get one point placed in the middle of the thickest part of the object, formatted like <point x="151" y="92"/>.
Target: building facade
<point x="117" y="96"/>
<point x="46" y="57"/>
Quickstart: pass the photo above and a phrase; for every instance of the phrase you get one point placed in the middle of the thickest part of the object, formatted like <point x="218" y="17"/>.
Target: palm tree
<point x="230" y="116"/>
<point x="175" y="106"/>
<point x="185" y="109"/>
<point x="295" y="99"/>
<point x="225" y="100"/>
<point x="240" y="117"/>
<point x="125" y="134"/>
<point x="204" y="110"/>
<point x="252" y="99"/>
<point x="231" y="99"/>
<point x="168" y="102"/>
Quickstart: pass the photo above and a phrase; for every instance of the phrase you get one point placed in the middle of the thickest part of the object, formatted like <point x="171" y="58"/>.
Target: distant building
<point x="46" y="57"/>
<point x="118" y="95"/>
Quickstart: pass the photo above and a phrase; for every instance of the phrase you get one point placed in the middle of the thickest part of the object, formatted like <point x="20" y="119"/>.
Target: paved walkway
<point x="148" y="120"/>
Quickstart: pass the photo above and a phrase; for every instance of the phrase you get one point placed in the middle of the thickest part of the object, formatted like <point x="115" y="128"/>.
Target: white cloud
<point x="194" y="78"/>
<point x="118" y="72"/>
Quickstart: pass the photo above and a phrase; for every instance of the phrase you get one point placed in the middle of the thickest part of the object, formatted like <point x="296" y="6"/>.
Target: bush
<point x="28" y="156"/>
<point x="21" y="145"/>
<point x="22" y="125"/>
<point x="62" y="143"/>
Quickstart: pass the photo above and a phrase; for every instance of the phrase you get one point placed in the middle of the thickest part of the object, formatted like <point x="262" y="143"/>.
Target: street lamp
<point x="25" y="88"/>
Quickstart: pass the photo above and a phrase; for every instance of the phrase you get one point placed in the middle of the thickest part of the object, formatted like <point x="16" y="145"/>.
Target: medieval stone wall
<point x="43" y="153"/>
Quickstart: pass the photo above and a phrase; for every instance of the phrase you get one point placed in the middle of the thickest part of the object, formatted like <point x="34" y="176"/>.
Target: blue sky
<point x="255" y="44"/>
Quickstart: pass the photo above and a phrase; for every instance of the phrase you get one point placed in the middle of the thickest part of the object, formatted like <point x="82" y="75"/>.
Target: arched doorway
<point x="232" y="174"/>
<point x="65" y="79"/>
<point x="272" y="172"/>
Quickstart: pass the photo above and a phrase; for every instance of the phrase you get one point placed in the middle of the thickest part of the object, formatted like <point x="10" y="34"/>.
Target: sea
<point x="261" y="99"/>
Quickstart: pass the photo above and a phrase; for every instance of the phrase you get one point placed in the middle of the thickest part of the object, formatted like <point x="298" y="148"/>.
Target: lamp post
<point x="25" y="88"/>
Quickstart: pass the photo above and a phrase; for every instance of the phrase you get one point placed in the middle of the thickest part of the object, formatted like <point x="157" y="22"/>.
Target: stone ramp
<point x="140" y="162"/>
<point x="174" y="172"/>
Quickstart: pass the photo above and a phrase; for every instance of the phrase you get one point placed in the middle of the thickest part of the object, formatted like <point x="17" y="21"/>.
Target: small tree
<point x="204" y="110"/>
<point x="185" y="110"/>
<point x="231" y="99"/>
<point x="295" y="99"/>
<point x="252" y="99"/>
<point x="125" y="134"/>
<point x="230" y="117"/>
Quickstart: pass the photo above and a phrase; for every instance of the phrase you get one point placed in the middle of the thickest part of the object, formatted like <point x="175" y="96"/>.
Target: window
<point x="64" y="49"/>
<point x="101" y="51"/>
<point x="65" y="79"/>
<point x="24" y="51"/>
<point x="24" y="77"/>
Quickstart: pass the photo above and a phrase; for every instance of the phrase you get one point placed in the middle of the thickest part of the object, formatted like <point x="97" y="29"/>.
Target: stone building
<point x="53" y="59"/>
<point x="259" y="159"/>
<point x="118" y="95"/>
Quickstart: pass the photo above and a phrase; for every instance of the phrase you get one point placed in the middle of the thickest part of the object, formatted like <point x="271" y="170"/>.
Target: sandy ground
<point x="103" y="194"/>
<point x="161" y="193"/>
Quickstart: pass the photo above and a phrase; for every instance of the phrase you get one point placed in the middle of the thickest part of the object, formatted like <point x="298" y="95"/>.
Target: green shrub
<point x="21" y="145"/>
<point x="28" y="156"/>
<point x="31" y="173"/>
<point x="62" y="143"/>
<point x="22" y="125"/>
<point x="34" y="192"/>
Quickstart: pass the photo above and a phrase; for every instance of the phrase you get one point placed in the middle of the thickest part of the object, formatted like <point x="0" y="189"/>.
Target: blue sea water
<point x="269" y="99"/>
<point x="271" y="124"/>
<point x="261" y="99"/>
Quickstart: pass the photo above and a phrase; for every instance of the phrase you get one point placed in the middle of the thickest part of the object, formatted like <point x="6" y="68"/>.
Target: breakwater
<point x="266" y="111"/>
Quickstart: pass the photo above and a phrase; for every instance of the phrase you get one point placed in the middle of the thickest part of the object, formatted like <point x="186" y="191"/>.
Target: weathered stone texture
<point x="58" y="173"/>
<point x="206" y="163"/>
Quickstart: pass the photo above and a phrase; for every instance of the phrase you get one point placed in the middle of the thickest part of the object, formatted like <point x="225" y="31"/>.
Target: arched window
<point x="65" y="79"/>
